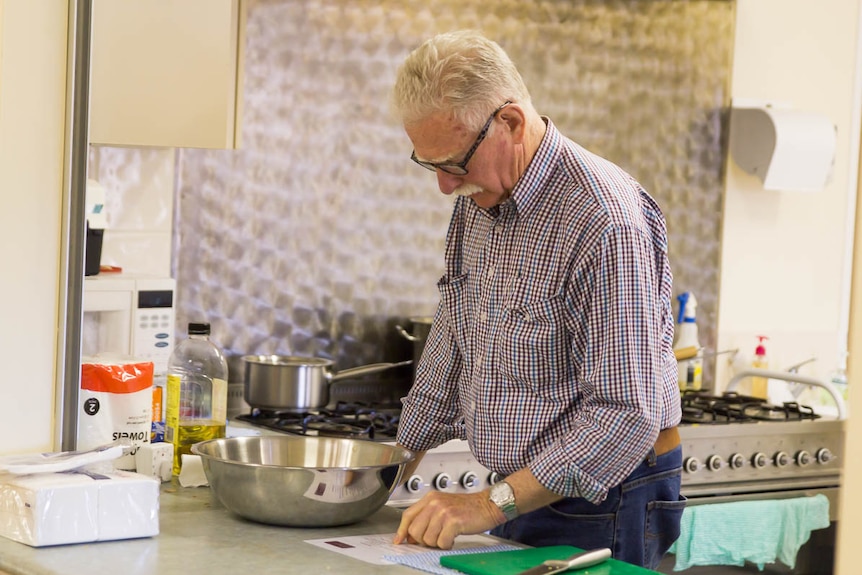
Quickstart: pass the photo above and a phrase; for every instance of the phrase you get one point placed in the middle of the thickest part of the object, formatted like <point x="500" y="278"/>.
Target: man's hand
<point x="438" y="518"/>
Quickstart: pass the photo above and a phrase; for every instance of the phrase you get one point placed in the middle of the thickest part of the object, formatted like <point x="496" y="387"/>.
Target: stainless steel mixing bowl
<point x="302" y="481"/>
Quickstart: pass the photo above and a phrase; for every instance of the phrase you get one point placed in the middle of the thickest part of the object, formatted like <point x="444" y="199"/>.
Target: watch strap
<point x="503" y="497"/>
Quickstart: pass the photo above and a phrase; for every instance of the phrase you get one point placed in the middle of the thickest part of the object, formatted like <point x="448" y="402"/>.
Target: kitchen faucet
<point x="796" y="388"/>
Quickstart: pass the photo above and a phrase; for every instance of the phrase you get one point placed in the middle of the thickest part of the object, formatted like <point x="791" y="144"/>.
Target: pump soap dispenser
<point x="760" y="385"/>
<point x="690" y="370"/>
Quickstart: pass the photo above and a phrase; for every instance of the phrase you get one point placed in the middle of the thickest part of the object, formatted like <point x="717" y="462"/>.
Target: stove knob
<point x="442" y="481"/>
<point x="737" y="461"/>
<point x="781" y="459"/>
<point x="691" y="465"/>
<point x="494" y="477"/>
<point x="469" y="480"/>
<point x="758" y="460"/>
<point x="714" y="463"/>
<point x="414" y="484"/>
<point x="803" y="458"/>
<point x="824" y="455"/>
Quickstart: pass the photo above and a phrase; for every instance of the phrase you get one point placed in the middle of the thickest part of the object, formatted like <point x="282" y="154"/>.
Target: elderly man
<point x="551" y="348"/>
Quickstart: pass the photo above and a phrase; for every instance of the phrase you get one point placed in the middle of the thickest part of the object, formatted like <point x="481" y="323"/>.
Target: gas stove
<point x="732" y="445"/>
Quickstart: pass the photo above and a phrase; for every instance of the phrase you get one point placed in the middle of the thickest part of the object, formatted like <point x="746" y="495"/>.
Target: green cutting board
<point x="513" y="562"/>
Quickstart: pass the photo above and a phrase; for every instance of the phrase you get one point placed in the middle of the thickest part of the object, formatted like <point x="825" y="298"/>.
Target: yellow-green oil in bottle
<point x="189" y="434"/>
<point x="182" y="429"/>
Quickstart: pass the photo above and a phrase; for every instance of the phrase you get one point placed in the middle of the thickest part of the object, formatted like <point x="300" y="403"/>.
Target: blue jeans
<point x="638" y="521"/>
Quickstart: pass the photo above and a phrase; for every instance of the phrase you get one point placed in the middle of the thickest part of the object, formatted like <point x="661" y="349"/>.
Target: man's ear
<point x="513" y="116"/>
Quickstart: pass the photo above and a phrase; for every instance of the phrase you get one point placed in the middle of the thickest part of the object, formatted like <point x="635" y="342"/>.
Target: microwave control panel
<point x="153" y="322"/>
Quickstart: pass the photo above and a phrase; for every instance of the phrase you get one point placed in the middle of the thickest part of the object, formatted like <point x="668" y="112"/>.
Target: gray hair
<point x="462" y="73"/>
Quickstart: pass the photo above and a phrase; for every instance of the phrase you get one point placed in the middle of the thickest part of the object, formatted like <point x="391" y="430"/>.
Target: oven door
<point x="815" y="557"/>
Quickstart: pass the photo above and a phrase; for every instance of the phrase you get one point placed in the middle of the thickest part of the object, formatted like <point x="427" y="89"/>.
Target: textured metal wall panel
<point x="320" y="234"/>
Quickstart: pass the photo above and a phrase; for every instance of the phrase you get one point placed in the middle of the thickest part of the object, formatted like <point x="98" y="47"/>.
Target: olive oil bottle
<point x="196" y="407"/>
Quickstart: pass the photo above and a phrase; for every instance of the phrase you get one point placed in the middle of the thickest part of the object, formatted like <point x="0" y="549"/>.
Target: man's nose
<point x="448" y="182"/>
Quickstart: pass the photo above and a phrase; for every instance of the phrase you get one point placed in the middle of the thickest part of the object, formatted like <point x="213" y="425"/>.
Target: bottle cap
<point x="199" y="329"/>
<point x="687" y="307"/>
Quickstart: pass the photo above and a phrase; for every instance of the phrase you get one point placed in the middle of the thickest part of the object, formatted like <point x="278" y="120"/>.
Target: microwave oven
<point x="129" y="316"/>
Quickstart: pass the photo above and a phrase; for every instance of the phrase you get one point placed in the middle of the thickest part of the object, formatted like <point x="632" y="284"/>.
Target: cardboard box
<point x="77" y="506"/>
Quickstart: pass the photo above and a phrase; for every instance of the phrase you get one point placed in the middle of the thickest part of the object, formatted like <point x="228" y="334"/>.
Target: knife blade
<point x="577" y="561"/>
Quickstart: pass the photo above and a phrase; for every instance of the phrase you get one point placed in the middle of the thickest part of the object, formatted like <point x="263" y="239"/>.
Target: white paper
<point x="192" y="472"/>
<point x="58" y="461"/>
<point x="372" y="548"/>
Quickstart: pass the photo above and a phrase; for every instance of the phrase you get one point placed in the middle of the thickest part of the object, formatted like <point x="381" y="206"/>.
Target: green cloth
<point x="760" y="531"/>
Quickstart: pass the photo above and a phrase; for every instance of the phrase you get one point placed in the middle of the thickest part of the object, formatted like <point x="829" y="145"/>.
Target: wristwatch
<point x="503" y="497"/>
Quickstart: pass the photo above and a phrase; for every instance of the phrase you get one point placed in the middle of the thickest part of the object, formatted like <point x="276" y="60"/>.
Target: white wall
<point x="32" y="116"/>
<point x="785" y="255"/>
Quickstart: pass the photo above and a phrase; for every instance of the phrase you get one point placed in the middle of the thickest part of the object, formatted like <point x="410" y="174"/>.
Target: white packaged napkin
<point x="192" y="472"/>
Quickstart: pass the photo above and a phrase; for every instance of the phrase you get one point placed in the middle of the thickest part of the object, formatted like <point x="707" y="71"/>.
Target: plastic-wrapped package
<point x="78" y="506"/>
<point x="116" y="402"/>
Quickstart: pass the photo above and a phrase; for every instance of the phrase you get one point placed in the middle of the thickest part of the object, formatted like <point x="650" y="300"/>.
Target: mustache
<point x="467" y="190"/>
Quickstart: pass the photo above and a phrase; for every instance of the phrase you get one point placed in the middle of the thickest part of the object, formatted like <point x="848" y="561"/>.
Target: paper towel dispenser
<point x="788" y="149"/>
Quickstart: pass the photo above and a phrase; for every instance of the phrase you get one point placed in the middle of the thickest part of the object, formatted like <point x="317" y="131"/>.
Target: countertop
<point x="197" y="535"/>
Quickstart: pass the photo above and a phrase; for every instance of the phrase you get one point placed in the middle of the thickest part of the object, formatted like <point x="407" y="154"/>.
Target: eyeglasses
<point x="460" y="168"/>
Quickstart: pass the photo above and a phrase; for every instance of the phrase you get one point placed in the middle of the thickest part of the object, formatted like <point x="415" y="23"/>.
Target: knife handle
<point x="579" y="560"/>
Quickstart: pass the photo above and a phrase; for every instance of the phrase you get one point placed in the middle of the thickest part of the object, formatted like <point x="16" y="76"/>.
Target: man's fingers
<point x="447" y="536"/>
<point x="437" y="519"/>
<point x="402" y="535"/>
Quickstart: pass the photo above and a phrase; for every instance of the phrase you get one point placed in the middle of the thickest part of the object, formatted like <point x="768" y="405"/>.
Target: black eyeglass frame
<point x="460" y="168"/>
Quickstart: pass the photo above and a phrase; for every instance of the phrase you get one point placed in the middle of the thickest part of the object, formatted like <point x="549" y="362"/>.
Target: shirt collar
<point x="528" y="191"/>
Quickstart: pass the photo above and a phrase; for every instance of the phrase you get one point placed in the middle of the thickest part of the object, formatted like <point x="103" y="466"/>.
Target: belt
<point x="668" y="439"/>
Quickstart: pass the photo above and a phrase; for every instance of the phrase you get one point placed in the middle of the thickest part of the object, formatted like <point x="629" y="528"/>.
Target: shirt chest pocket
<point x="533" y="345"/>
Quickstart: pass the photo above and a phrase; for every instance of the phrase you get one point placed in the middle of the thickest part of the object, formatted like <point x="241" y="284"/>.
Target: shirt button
<point x="492" y="269"/>
<point x="483" y="316"/>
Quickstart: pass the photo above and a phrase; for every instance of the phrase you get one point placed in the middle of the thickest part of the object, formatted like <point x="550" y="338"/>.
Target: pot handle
<point x="406" y="335"/>
<point x="367" y="369"/>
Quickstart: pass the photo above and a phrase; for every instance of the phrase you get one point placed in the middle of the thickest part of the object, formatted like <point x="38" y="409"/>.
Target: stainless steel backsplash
<point x="319" y="235"/>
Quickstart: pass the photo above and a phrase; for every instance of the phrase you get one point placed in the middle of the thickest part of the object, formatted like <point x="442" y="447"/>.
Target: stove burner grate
<point x="732" y="407"/>
<point x="355" y="420"/>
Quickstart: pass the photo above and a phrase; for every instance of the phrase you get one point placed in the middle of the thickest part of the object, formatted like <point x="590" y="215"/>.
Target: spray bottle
<point x="690" y="370"/>
<point x="760" y="385"/>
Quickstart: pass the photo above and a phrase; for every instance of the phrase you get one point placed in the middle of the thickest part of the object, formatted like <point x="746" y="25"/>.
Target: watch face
<point x="503" y="497"/>
<point x="502" y="491"/>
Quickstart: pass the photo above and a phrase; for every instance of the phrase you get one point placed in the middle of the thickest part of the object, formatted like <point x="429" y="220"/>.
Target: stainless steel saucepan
<point x="294" y="383"/>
